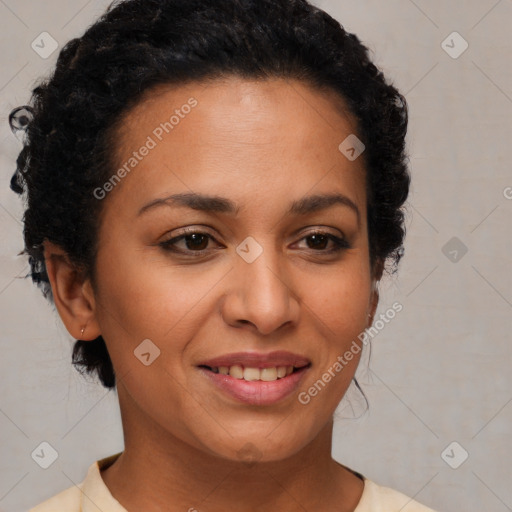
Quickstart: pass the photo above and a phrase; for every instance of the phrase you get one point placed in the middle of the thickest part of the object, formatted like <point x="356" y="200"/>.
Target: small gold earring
<point x="82" y="330"/>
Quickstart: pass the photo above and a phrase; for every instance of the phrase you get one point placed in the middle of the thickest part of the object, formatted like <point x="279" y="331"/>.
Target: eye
<point x="319" y="239"/>
<point x="194" y="241"/>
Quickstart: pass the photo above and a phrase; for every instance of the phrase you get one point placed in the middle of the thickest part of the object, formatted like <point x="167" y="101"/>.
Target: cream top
<point x="92" y="495"/>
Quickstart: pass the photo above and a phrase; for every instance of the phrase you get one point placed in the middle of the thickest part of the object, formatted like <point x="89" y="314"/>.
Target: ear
<point x="72" y="294"/>
<point x="374" y="297"/>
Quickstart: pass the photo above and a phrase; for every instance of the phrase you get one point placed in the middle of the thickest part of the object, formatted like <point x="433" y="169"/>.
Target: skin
<point x="262" y="145"/>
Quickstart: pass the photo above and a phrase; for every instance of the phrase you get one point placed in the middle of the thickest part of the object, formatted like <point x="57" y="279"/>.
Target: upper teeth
<point x="265" y="374"/>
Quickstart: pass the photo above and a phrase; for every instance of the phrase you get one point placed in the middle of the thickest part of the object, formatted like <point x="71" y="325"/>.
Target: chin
<point x="256" y="450"/>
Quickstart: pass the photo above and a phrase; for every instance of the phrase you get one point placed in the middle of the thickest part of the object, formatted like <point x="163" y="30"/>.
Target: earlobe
<point x="71" y="293"/>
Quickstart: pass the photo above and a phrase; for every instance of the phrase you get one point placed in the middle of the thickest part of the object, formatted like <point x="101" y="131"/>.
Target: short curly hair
<point x="138" y="44"/>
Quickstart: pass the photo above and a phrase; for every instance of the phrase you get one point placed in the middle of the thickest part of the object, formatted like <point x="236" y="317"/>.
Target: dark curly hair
<point x="138" y="44"/>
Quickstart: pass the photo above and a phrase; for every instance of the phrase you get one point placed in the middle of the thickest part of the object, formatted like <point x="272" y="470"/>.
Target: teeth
<point x="252" y="374"/>
<point x="237" y="372"/>
<point x="268" y="374"/>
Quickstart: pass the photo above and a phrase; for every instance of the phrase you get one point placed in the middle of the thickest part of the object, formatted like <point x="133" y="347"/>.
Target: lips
<point x="267" y="390"/>
<point x="256" y="378"/>
<point x="258" y="360"/>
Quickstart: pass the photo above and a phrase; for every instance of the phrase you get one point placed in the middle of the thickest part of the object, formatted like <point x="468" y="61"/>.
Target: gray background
<point x="440" y="371"/>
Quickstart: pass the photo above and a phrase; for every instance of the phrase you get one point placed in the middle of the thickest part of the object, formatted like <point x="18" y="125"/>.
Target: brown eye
<point x="320" y="241"/>
<point x="197" y="241"/>
<point x="194" y="242"/>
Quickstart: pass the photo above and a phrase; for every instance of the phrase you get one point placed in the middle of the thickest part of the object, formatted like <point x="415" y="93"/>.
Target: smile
<point x="252" y="374"/>
<point x="255" y="386"/>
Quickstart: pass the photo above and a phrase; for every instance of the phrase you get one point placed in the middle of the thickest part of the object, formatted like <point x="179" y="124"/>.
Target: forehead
<point x="246" y="110"/>
<point x="280" y="96"/>
<point x="275" y="134"/>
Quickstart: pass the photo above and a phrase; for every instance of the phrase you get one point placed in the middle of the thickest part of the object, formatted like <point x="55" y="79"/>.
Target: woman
<point x="214" y="190"/>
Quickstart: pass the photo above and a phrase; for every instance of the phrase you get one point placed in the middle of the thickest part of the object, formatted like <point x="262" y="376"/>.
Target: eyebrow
<point x="216" y="204"/>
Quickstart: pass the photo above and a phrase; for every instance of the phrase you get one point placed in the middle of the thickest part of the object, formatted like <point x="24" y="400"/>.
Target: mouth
<point x="251" y="374"/>
<point x="255" y="386"/>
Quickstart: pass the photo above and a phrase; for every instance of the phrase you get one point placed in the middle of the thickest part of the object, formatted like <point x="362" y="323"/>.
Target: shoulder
<point x="67" y="500"/>
<point x="377" y="498"/>
<point x="88" y="496"/>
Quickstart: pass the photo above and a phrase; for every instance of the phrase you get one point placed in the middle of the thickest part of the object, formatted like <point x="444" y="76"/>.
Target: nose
<point x="261" y="294"/>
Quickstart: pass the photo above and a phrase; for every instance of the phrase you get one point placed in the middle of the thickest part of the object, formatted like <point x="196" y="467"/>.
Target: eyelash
<point x="340" y="244"/>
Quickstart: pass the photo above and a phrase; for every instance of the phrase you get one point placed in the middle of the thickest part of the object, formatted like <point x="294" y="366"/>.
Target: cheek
<point x="138" y="292"/>
<point x="340" y="301"/>
<point x="338" y="310"/>
<point x="145" y="298"/>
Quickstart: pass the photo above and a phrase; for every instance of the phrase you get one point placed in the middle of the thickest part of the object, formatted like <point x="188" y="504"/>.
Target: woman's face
<point x="254" y="279"/>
